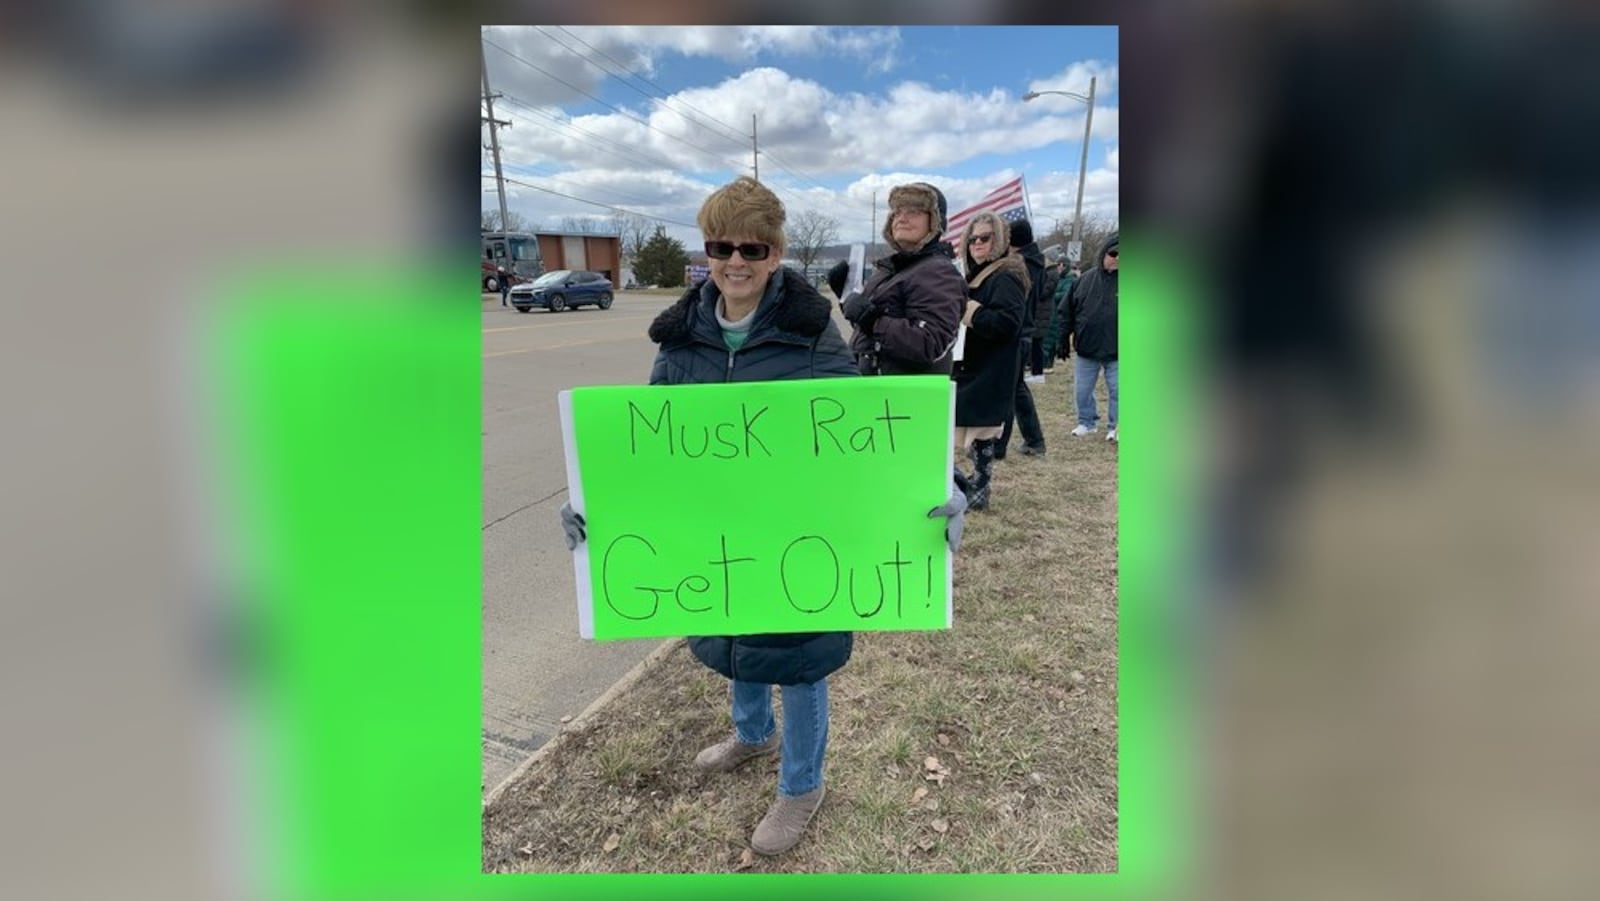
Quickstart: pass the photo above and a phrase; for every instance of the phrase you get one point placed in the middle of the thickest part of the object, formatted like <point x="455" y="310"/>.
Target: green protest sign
<point x="760" y="507"/>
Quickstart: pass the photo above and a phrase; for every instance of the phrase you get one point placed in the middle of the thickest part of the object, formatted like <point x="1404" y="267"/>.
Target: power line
<point x="599" y="204"/>
<point x="728" y="130"/>
<point x="607" y="144"/>
<point x="667" y="101"/>
<point x="619" y="110"/>
<point x="600" y="142"/>
<point x="615" y="194"/>
<point x="494" y="135"/>
<point x="628" y="154"/>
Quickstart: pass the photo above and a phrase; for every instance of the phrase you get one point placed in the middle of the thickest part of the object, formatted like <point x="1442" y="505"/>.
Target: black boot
<point x="983" y="458"/>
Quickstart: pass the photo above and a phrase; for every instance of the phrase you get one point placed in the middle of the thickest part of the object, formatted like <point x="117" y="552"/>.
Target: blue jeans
<point x="1084" y="374"/>
<point x="805" y="729"/>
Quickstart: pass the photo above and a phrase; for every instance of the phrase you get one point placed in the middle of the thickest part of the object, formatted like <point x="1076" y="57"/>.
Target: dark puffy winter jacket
<point x="793" y="337"/>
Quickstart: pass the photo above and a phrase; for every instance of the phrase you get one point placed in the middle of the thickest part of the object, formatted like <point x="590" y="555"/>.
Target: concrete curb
<point x="581" y="720"/>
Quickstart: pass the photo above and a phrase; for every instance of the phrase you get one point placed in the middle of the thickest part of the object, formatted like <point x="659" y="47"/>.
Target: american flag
<point x="1009" y="200"/>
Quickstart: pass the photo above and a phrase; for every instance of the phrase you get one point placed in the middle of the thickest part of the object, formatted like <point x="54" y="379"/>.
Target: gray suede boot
<point x="729" y="754"/>
<point x="785" y="823"/>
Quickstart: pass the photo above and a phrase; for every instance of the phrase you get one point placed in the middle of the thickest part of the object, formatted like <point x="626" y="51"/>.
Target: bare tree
<point x="1097" y="230"/>
<point x="586" y="225"/>
<point x="809" y="233"/>
<point x="1057" y="236"/>
<point x="635" y="231"/>
<point x="491" y="221"/>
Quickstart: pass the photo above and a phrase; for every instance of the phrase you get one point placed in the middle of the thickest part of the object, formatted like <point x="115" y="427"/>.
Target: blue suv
<point x="562" y="288"/>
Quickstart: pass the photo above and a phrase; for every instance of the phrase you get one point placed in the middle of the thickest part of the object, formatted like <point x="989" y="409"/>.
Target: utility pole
<point x="1083" y="166"/>
<point x="1083" y="162"/>
<point x="494" y="142"/>
<point x="755" y="154"/>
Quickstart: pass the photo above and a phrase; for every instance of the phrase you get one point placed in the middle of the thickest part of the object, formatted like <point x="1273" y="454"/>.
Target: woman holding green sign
<point x="751" y="321"/>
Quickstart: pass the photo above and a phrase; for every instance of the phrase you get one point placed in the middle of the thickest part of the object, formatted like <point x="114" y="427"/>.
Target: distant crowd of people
<point x="754" y="320"/>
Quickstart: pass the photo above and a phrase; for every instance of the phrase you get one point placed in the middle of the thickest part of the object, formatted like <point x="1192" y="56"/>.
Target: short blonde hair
<point x="744" y="207"/>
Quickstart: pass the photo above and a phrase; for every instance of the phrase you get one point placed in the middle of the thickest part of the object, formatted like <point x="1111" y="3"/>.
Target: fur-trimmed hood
<point x="918" y="195"/>
<point x="799" y="311"/>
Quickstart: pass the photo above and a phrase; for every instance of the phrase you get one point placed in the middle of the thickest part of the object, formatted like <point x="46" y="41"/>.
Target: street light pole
<point x="1083" y="159"/>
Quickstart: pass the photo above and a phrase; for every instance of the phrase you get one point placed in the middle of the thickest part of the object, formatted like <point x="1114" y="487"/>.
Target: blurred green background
<point x="1359" y="526"/>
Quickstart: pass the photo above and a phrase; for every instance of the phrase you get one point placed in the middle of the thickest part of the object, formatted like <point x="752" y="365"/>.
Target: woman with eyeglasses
<point x="905" y="318"/>
<point x="754" y="320"/>
<point x="986" y="374"/>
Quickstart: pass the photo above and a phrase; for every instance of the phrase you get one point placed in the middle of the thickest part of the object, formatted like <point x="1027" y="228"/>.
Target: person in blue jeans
<point x="1089" y="320"/>
<point x="754" y="320"/>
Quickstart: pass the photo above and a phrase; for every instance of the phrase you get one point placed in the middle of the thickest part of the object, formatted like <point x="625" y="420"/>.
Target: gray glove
<point x="955" y="511"/>
<point x="572" y="526"/>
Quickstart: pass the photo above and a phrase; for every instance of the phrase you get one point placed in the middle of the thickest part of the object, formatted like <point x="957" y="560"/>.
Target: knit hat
<point x="1021" y="233"/>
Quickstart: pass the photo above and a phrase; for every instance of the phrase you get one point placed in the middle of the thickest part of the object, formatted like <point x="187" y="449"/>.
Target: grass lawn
<point x="990" y="747"/>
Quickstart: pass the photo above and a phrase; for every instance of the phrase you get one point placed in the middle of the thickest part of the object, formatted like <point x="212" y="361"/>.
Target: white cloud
<point x="805" y="126"/>
<point x="585" y="55"/>
<point x="698" y="138"/>
<point x="879" y="47"/>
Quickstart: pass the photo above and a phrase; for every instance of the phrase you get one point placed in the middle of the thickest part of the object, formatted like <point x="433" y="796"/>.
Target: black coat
<point x="986" y="376"/>
<point x="1091" y="311"/>
<point x="917" y="298"/>
<point x="1034" y="260"/>
<point x="793" y="337"/>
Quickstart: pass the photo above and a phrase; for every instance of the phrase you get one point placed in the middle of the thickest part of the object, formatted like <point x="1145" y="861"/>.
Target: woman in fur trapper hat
<point x="905" y="317"/>
<point x="986" y="374"/>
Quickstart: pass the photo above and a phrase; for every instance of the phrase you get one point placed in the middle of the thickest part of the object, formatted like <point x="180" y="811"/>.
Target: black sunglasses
<point x="722" y="250"/>
<point x="1112" y="254"/>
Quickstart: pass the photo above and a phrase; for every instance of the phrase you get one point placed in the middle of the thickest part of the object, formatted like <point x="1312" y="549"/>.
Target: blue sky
<point x="651" y="120"/>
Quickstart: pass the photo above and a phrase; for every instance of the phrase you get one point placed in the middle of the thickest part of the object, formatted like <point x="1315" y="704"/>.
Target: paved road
<point x="535" y="667"/>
